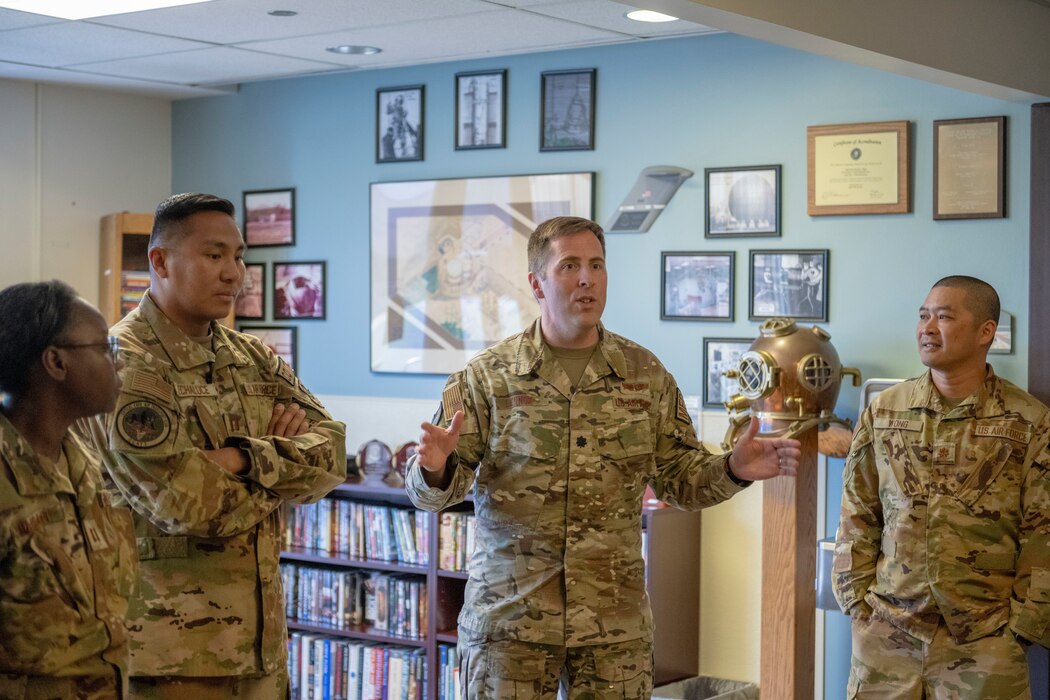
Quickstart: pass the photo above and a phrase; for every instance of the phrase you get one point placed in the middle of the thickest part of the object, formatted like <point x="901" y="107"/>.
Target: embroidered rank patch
<point x="885" y="423"/>
<point x="143" y="424"/>
<point x="944" y="453"/>
<point x="1021" y="436"/>
<point x="94" y="537"/>
<point x="195" y="390"/>
<point x="260" y="389"/>
<point x="452" y="400"/>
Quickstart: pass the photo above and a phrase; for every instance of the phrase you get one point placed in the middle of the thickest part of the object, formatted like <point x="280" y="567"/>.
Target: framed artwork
<point x="791" y="283"/>
<point x="969" y="179"/>
<point x="399" y="123"/>
<point x="721" y="354"/>
<point x="449" y="263"/>
<point x="696" y="286"/>
<point x="298" y="290"/>
<point x="1003" y="342"/>
<point x="567" y="110"/>
<point x="481" y="109"/>
<point x="859" y="168"/>
<point x="269" y="217"/>
<point x="742" y="201"/>
<point x="251" y="302"/>
<point x="282" y="340"/>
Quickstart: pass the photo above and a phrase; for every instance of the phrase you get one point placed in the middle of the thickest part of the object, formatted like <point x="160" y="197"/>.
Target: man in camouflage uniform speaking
<point x="943" y="551"/>
<point x="211" y="434"/>
<point x="559" y="429"/>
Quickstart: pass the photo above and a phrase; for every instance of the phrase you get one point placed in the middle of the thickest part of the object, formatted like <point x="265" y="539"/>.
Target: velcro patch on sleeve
<point x="143" y="424"/>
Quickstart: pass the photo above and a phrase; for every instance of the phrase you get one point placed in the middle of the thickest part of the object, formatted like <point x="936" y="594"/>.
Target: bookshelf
<point x="123" y="262"/>
<point x="672" y="552"/>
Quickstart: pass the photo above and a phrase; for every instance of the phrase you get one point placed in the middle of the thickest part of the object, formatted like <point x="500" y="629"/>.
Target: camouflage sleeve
<point x="1030" y="607"/>
<point x="687" y="475"/>
<point x="860" y="526"/>
<point x="462" y="393"/>
<point x="303" y="468"/>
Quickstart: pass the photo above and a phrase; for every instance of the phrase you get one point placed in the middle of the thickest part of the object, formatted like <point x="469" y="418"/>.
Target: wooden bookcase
<point x="672" y="551"/>
<point x="123" y="242"/>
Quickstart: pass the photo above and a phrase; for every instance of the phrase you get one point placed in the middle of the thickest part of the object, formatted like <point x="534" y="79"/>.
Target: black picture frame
<point x="792" y="283"/>
<point x="299" y="300"/>
<point x="969" y="168"/>
<point x="269" y="217"/>
<point x="481" y="96"/>
<point x="742" y="201"/>
<point x="283" y="340"/>
<point x="567" y="102"/>
<point x="721" y="354"/>
<point x="697" y="286"/>
<point x="400" y="123"/>
<point x="251" y="302"/>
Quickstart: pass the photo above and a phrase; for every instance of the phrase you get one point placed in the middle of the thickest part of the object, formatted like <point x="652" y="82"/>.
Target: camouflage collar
<point x="987" y="400"/>
<point x="184" y="352"/>
<point x="31" y="478"/>
<point x="531" y="347"/>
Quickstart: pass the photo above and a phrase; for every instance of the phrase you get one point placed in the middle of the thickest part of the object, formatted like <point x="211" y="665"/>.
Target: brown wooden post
<point x="789" y="542"/>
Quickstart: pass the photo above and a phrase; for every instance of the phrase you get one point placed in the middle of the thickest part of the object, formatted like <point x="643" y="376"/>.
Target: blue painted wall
<point x="698" y="102"/>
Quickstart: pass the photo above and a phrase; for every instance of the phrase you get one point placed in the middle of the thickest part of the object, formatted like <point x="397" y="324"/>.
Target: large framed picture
<point x="281" y="339"/>
<point x="251" y="302"/>
<point x="859" y="168"/>
<point x="721" y="354"/>
<point x="399" y="123"/>
<point x="449" y="263"/>
<point x="696" y="286"/>
<point x="567" y="110"/>
<point x="791" y="283"/>
<point x="1003" y="342"/>
<point x="969" y="177"/>
<point x="269" y="217"/>
<point x="298" y="290"/>
<point x="481" y="109"/>
<point x="742" y="201"/>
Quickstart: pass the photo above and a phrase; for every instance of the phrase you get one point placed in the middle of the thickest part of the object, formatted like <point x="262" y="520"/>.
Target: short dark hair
<point x="550" y="231"/>
<point x="179" y="207"/>
<point x="32" y="316"/>
<point x="981" y="298"/>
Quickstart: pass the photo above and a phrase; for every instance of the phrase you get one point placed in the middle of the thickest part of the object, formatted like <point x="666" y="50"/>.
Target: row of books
<point x="360" y="531"/>
<point x="455" y="541"/>
<point x="325" y="668"/>
<point x="393" y="604"/>
<point x="133" y="284"/>
<point x="449" y="687"/>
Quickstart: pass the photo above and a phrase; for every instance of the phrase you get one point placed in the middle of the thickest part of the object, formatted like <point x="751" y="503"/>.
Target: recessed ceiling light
<point x="648" y="16"/>
<point x="352" y="50"/>
<point x="282" y="13"/>
<point x="83" y="9"/>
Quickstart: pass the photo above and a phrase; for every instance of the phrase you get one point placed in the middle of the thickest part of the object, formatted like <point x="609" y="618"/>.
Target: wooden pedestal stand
<point x="789" y="536"/>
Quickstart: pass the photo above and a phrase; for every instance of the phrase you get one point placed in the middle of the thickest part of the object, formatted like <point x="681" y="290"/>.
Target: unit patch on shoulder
<point x="143" y="424"/>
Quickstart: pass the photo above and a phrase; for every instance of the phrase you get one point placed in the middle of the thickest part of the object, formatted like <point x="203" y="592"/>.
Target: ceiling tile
<point x="610" y="15"/>
<point x="69" y="43"/>
<point x="13" y="19"/>
<point x="64" y="76"/>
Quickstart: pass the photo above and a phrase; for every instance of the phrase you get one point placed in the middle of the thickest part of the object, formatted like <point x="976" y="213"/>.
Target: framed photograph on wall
<point x="298" y="290"/>
<point x="481" y="109"/>
<point x="399" y="123"/>
<point x="858" y="168"/>
<point x="696" y="286"/>
<point x="791" y="283"/>
<point x="742" y="201"/>
<point x="969" y="176"/>
<point x="269" y="217"/>
<point x="251" y="302"/>
<point x="567" y="110"/>
<point x="1003" y="342"/>
<point x="721" y="354"/>
<point x="281" y="339"/>
<point x="449" y="262"/>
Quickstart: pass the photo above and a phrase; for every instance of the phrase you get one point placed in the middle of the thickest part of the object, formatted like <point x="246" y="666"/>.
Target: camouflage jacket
<point x="946" y="512"/>
<point x="210" y="601"/>
<point x="67" y="566"/>
<point x="558" y="478"/>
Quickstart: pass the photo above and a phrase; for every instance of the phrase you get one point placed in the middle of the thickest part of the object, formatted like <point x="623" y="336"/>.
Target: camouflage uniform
<point x="211" y="602"/>
<point x="558" y="478"/>
<point x="945" y="534"/>
<point x="67" y="566"/>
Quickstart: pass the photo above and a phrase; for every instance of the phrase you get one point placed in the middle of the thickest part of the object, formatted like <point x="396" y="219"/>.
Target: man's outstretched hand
<point x="755" y="458"/>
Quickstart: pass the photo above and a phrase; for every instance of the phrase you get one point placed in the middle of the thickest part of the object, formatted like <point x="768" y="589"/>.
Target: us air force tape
<point x="143" y="424"/>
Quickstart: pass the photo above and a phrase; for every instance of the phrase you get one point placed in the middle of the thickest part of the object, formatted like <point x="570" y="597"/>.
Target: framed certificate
<point x="859" y="168"/>
<point x="968" y="172"/>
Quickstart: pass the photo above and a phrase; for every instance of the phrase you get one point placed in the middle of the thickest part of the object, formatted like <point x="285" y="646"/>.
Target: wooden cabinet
<point x="671" y="548"/>
<point x="123" y="262"/>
